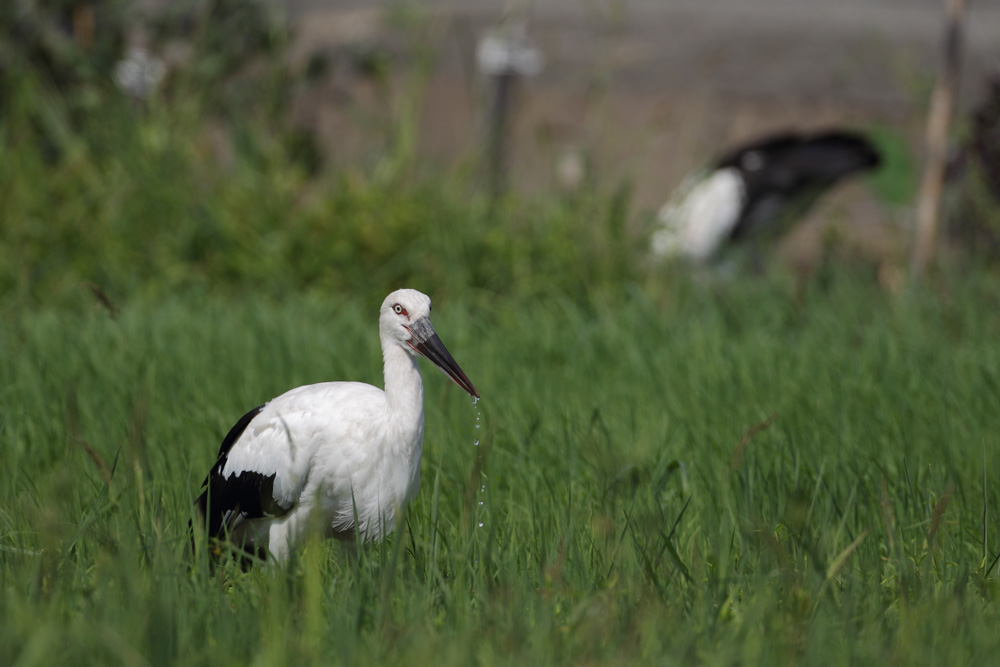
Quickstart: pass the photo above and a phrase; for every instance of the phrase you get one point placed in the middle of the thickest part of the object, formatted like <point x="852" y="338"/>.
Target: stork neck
<point x="404" y="391"/>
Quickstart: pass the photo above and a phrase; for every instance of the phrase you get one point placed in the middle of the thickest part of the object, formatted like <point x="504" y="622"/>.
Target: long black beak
<point x="426" y="342"/>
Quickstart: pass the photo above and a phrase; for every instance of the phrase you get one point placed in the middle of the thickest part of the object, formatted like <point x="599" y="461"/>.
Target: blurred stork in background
<point x="973" y="218"/>
<point x="985" y="143"/>
<point x="757" y="191"/>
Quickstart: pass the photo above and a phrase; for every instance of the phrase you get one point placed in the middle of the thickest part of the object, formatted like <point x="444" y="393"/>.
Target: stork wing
<point x="227" y="500"/>
<point x="265" y="461"/>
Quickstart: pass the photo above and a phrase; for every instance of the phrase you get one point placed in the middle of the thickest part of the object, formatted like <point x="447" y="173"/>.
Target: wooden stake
<point x="938" y="124"/>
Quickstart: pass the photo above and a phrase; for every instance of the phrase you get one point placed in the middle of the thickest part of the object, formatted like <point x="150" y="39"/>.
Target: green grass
<point x="626" y="515"/>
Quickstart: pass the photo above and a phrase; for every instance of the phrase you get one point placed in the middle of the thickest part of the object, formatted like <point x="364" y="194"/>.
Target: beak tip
<point x="468" y="387"/>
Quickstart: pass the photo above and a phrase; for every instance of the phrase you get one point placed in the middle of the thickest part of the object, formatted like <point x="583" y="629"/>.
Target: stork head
<point x="405" y="320"/>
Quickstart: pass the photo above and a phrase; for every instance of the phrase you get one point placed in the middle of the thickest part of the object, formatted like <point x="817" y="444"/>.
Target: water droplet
<point x="475" y="399"/>
<point x="482" y="487"/>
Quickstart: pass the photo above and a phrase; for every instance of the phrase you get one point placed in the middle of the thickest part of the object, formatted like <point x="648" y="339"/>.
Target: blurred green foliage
<point x="210" y="184"/>
<point x="895" y="181"/>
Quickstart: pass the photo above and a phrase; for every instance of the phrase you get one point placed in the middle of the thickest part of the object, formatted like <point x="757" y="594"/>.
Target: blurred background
<point x="348" y="145"/>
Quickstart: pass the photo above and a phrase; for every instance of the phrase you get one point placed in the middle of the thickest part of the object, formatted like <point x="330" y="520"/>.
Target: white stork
<point x="756" y="190"/>
<point x="347" y="451"/>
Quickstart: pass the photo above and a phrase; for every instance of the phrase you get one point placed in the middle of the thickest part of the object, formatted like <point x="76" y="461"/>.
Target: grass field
<point x="674" y="474"/>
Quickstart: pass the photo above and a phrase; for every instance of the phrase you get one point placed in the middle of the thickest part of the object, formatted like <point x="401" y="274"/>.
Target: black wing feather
<point x="249" y="495"/>
<point x="784" y="174"/>
<point x="237" y="430"/>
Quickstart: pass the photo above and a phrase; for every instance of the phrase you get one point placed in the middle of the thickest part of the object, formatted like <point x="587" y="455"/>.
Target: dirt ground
<point x="647" y="90"/>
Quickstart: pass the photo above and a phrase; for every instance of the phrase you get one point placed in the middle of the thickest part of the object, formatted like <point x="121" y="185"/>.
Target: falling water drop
<point x="482" y="488"/>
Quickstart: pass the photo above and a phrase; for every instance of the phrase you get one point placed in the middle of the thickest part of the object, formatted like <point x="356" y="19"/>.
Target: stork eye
<point x="399" y="310"/>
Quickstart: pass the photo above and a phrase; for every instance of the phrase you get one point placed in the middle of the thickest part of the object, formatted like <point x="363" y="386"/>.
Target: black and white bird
<point x="756" y="190"/>
<point x="345" y="451"/>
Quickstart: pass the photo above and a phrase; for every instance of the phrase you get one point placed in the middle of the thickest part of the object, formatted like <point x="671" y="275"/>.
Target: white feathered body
<point x="696" y="221"/>
<point x="332" y="450"/>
